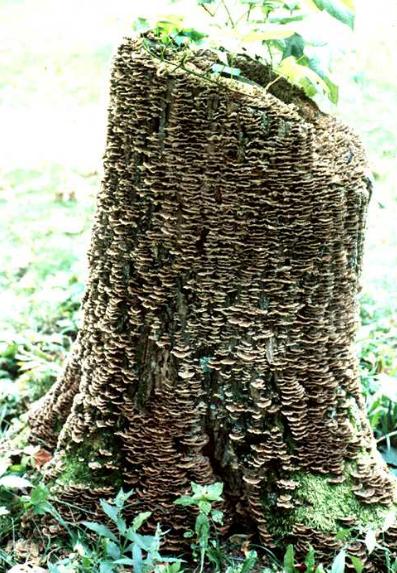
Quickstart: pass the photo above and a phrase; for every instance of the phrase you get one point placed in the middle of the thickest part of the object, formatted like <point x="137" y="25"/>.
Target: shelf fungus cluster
<point x="220" y="311"/>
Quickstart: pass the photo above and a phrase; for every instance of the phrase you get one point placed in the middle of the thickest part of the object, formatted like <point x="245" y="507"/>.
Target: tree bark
<point x="220" y="312"/>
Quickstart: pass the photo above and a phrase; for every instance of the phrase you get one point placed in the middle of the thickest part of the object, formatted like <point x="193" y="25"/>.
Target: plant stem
<point x="270" y="84"/>
<point x="212" y="14"/>
<point x="224" y="4"/>
<point x="386" y="437"/>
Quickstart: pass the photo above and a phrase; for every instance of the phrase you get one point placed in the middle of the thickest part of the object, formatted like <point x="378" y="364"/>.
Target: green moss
<point x="75" y="471"/>
<point x="321" y="505"/>
<point x="77" y="460"/>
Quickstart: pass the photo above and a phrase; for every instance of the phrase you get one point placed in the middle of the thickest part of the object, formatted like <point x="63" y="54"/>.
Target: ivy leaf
<point x="338" y="9"/>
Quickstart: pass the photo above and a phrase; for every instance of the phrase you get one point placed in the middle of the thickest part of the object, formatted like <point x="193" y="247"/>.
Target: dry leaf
<point x="41" y="457"/>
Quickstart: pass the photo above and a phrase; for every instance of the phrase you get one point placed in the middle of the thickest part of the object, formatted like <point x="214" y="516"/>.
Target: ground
<point x="53" y="96"/>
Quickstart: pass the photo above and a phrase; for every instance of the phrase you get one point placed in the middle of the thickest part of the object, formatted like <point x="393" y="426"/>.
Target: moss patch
<point x="321" y="505"/>
<point x="84" y="463"/>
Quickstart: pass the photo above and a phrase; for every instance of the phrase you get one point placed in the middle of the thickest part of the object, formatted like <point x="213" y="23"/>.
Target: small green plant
<point x="309" y="564"/>
<point x="120" y="546"/>
<point x="203" y="498"/>
<point x="274" y="31"/>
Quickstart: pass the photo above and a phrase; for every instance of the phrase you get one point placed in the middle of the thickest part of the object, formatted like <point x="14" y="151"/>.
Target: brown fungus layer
<point x="221" y="307"/>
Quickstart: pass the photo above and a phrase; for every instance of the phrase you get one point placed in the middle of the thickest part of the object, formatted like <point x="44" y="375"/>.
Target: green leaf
<point x="137" y="559"/>
<point x="370" y="540"/>
<point x="185" y="500"/>
<point x="15" y="482"/>
<point x="343" y="534"/>
<point x="249" y="562"/>
<point x="189" y="35"/>
<point x="106" y="567"/>
<point x="140" y="519"/>
<point x="390" y="455"/>
<point x="302" y="76"/>
<point x="214" y="491"/>
<point x="338" y="9"/>
<point x="100" y="529"/>
<point x="294" y="46"/>
<point x="124" y="561"/>
<point x="39" y="495"/>
<point x="225" y="70"/>
<point x="357" y="564"/>
<point x="338" y="565"/>
<point x="286" y="19"/>
<point x="269" y="32"/>
<point x="333" y="90"/>
<point x="310" y="560"/>
<point x="204" y="506"/>
<point x="141" y="25"/>
<point x="110" y="510"/>
<point x="202" y="528"/>
<point x="122" y="497"/>
<point x="112" y="549"/>
<point x="203" y="2"/>
<point x="289" y="560"/>
<point x="145" y="542"/>
<point x="217" y="516"/>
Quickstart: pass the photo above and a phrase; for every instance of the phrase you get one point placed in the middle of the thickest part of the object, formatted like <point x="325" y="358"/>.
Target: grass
<point x="53" y="98"/>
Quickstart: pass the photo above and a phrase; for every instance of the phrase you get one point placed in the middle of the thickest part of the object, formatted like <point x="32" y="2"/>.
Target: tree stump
<point x="220" y="311"/>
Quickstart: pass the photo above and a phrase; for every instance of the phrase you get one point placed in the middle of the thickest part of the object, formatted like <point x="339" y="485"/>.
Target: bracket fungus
<point x="220" y="311"/>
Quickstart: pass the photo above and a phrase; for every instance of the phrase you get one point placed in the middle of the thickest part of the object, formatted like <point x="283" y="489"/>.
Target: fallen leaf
<point x="41" y="457"/>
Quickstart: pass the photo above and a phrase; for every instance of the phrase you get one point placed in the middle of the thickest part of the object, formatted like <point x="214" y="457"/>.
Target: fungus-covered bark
<point x="220" y="312"/>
